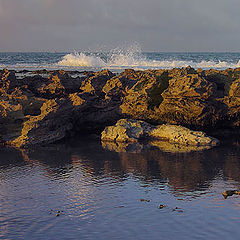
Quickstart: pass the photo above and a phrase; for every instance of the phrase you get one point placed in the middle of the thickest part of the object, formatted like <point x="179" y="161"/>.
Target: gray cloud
<point x="160" y="25"/>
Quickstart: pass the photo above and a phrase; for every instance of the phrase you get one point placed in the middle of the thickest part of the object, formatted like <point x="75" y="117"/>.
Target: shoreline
<point x="46" y="106"/>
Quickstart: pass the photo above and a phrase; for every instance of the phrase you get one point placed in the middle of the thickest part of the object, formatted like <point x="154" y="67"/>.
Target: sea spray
<point x="118" y="59"/>
<point x="132" y="57"/>
<point x="81" y="60"/>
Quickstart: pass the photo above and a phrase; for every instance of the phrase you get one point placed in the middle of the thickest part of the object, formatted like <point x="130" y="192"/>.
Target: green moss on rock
<point x="155" y="93"/>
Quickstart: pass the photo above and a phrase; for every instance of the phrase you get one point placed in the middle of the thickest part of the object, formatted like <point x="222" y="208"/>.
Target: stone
<point x="7" y="80"/>
<point x="90" y="101"/>
<point x="182" y="135"/>
<point x="127" y="130"/>
<point x="229" y="193"/>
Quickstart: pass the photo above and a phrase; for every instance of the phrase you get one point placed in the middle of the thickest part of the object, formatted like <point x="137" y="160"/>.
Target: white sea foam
<point x="132" y="57"/>
<point x="81" y="60"/>
<point x="123" y="61"/>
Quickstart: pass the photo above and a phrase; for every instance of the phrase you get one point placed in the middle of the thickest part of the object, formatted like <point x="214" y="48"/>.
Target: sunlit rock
<point x="182" y="135"/>
<point x="127" y="130"/>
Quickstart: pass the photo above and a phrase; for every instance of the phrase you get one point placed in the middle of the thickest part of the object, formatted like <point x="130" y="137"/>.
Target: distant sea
<point x="117" y="60"/>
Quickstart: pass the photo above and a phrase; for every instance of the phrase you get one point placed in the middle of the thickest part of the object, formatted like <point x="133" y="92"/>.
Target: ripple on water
<point x="98" y="194"/>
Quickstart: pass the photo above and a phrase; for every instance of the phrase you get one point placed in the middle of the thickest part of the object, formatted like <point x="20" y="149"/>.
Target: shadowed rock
<point x="48" y="107"/>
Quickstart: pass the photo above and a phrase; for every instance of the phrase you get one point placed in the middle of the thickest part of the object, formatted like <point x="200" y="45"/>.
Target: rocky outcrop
<point x="179" y="96"/>
<point x="40" y="109"/>
<point x="45" y="106"/>
<point x="127" y="130"/>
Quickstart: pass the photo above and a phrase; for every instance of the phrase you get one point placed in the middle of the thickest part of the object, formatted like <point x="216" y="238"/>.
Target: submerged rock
<point x="127" y="130"/>
<point x="229" y="193"/>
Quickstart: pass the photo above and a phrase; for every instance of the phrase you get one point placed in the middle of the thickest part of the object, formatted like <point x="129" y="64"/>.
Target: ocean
<point x="85" y="189"/>
<point x="117" y="60"/>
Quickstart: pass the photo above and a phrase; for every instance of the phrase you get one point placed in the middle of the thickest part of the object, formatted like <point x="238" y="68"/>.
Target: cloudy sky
<point x="157" y="25"/>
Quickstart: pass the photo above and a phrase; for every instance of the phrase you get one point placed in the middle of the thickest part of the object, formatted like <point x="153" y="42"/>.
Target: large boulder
<point x="127" y="130"/>
<point x="182" y="135"/>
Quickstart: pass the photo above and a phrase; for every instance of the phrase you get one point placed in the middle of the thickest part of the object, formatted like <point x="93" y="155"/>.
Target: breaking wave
<point x="132" y="57"/>
<point x="81" y="60"/>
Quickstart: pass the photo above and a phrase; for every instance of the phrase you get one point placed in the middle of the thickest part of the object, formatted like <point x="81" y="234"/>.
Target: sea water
<point x="118" y="59"/>
<point x="81" y="190"/>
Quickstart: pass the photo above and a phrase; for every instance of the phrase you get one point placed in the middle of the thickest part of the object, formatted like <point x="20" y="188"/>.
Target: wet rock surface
<point x="127" y="130"/>
<point x="46" y="106"/>
<point x="229" y="193"/>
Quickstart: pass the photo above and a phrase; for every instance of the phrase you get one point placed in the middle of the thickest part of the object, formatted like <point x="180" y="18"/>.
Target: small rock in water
<point x="177" y="209"/>
<point x="229" y="193"/>
<point x="57" y="214"/>
<point x="161" y="206"/>
<point x="144" y="200"/>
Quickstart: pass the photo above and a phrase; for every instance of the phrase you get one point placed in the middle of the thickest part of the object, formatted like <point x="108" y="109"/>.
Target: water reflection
<point x="160" y="145"/>
<point x="98" y="192"/>
<point x="183" y="172"/>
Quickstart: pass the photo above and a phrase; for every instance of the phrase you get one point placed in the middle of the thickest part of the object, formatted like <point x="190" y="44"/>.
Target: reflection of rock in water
<point x="54" y="159"/>
<point x="232" y="165"/>
<point x="185" y="168"/>
<point x="122" y="146"/>
<point x="10" y="156"/>
<point x="174" y="148"/>
<point x="183" y="171"/>
<point x="160" y="145"/>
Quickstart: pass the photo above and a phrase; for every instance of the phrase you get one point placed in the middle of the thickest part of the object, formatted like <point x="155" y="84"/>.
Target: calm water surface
<point x="98" y="193"/>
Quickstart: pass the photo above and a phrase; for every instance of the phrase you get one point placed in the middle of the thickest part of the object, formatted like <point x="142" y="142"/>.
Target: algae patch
<point x="155" y="93"/>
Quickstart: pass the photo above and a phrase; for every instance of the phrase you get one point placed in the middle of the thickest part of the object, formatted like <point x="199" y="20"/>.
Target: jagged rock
<point x="7" y="80"/>
<point x="229" y="193"/>
<point x="93" y="100"/>
<point x="50" y="125"/>
<point x="234" y="90"/>
<point x="223" y="79"/>
<point x="95" y="82"/>
<point x="188" y="86"/>
<point x="127" y="130"/>
<point x="141" y="98"/>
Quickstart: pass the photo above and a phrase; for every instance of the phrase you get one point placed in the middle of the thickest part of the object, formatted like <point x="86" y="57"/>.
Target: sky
<point x="157" y="25"/>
